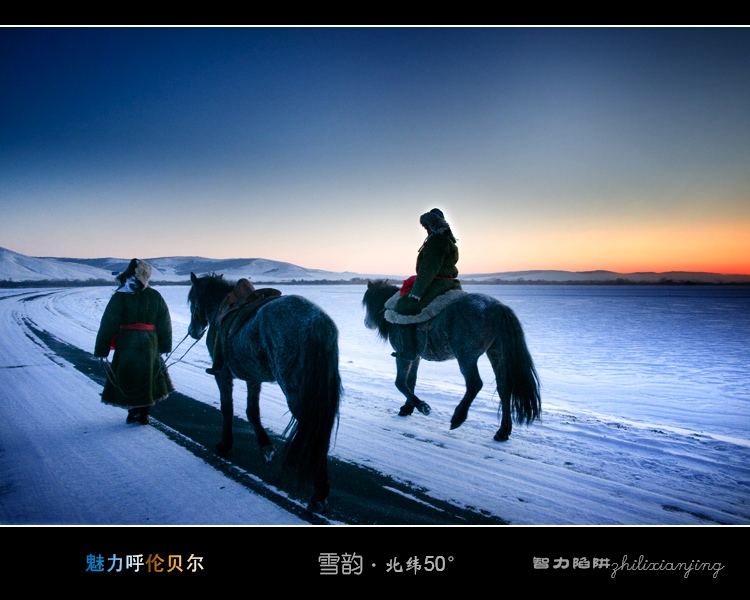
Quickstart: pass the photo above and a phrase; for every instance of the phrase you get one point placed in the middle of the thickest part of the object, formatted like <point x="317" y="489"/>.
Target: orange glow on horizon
<point x="718" y="249"/>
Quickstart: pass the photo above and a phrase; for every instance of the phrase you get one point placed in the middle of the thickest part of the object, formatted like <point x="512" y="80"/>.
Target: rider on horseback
<point x="436" y="274"/>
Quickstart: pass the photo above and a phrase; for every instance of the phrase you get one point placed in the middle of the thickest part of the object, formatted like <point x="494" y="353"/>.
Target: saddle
<point x="433" y="309"/>
<point x="240" y="305"/>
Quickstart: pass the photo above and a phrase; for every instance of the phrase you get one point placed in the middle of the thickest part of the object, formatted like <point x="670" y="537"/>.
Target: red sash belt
<point x="409" y="283"/>
<point x="136" y="326"/>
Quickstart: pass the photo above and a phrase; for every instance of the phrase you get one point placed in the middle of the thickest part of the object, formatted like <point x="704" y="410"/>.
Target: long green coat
<point x="138" y="377"/>
<point x="437" y="258"/>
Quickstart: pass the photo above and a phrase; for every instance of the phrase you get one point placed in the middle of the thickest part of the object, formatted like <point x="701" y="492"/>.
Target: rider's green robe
<point x="436" y="269"/>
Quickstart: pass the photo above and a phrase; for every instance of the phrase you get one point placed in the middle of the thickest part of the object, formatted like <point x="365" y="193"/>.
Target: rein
<point x="198" y="339"/>
<point x="108" y="371"/>
<point x="112" y="378"/>
<point x="186" y="351"/>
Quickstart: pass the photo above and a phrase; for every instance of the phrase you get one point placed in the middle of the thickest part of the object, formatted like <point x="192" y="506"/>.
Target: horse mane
<point x="214" y="287"/>
<point x="378" y="292"/>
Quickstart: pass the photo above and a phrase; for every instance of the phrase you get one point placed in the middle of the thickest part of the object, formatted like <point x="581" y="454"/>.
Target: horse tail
<point x="316" y="409"/>
<point x="521" y="380"/>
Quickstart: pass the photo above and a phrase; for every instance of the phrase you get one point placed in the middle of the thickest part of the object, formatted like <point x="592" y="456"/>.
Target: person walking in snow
<point x="137" y="326"/>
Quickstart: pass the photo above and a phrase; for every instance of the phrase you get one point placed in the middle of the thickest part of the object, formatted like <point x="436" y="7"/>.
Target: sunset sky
<point x="626" y="149"/>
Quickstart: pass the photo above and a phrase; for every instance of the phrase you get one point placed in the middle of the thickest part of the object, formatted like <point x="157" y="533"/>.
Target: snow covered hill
<point x="18" y="267"/>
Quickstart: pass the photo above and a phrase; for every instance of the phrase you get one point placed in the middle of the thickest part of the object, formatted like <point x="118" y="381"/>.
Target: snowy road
<point x="66" y="458"/>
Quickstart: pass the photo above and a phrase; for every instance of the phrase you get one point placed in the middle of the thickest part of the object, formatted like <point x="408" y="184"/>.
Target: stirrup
<point x="213" y="371"/>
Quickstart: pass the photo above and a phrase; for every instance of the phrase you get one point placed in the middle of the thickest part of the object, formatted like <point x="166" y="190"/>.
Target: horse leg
<point x="321" y="489"/>
<point x="267" y="449"/>
<point x="403" y="367"/>
<point x="503" y="389"/>
<point x="411" y="382"/>
<point x="225" y="382"/>
<point x="506" y="424"/>
<point x="473" y="385"/>
<point x="406" y="381"/>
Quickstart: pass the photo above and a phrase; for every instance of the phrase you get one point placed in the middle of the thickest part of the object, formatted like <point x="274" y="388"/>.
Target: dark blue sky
<point x="616" y="148"/>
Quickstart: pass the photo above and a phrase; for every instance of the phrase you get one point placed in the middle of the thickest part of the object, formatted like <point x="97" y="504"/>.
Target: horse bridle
<point x="192" y="319"/>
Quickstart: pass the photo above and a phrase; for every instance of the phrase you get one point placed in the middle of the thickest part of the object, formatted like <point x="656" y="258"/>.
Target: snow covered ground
<point x="646" y="415"/>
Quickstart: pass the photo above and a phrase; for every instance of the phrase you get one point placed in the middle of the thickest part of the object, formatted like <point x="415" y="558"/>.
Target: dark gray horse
<point x="290" y="341"/>
<point x="469" y="327"/>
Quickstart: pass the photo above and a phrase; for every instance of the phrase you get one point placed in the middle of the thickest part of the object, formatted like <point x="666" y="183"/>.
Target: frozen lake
<point x="671" y="356"/>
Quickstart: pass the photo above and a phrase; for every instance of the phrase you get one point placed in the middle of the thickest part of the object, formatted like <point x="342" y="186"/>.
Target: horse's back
<point x="289" y="313"/>
<point x="465" y="329"/>
<point x="282" y="333"/>
<point x="472" y="309"/>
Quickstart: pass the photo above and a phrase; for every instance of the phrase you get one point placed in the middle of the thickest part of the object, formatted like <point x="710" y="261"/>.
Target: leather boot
<point x="218" y="363"/>
<point x="408" y="351"/>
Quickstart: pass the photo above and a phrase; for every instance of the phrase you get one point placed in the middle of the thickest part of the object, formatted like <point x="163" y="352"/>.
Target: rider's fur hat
<point x="435" y="221"/>
<point x="138" y="268"/>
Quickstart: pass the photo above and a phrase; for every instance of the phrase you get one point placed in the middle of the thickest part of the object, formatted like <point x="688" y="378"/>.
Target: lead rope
<point x="113" y="379"/>
<point x="169" y="355"/>
<point x="109" y="372"/>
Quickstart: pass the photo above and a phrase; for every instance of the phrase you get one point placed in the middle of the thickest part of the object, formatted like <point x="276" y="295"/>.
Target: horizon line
<point x="484" y="273"/>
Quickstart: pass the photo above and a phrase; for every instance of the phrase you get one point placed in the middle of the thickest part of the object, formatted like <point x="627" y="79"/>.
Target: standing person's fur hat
<point x="139" y="269"/>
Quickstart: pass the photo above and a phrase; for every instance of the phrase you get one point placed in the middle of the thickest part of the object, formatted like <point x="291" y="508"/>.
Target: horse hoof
<point x="501" y="436"/>
<point x="424" y="408"/>
<point x="456" y="425"/>
<point x="268" y="453"/>
<point x="317" y="506"/>
<point x="405" y="411"/>
<point x="221" y="449"/>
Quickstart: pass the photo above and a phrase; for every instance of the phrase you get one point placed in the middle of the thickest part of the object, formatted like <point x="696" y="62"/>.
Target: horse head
<point x="198" y="318"/>
<point x="206" y="293"/>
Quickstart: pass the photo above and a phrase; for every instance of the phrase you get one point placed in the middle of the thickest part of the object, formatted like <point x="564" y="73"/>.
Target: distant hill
<point x="19" y="267"/>
<point x="16" y="267"/>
